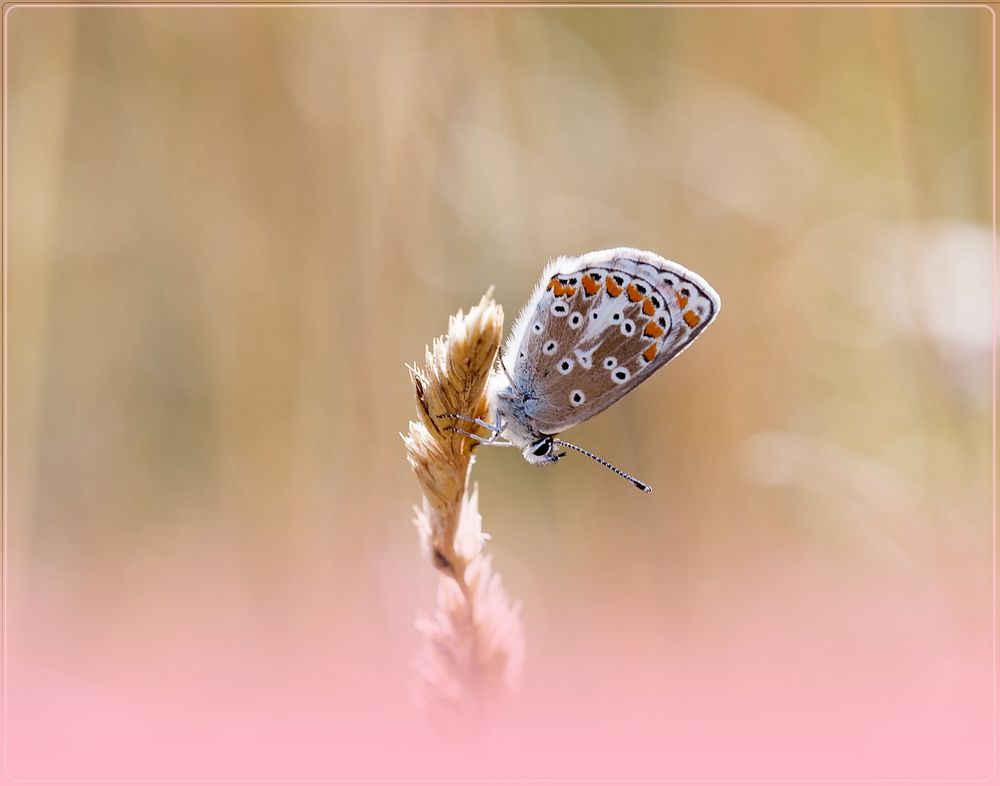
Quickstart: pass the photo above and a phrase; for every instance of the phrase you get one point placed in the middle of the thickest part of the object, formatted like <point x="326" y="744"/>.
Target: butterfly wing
<point x="600" y="324"/>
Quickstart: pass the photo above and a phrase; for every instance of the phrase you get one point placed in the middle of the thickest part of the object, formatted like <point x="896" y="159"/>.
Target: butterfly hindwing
<point x="601" y="324"/>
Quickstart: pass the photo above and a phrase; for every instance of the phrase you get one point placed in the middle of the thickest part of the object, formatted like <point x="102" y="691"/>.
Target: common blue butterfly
<point x="595" y="327"/>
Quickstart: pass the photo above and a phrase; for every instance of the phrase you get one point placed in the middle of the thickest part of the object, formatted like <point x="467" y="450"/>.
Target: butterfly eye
<point x="543" y="447"/>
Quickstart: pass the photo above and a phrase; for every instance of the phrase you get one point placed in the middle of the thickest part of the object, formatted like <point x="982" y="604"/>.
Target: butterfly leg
<point x="493" y="439"/>
<point x="496" y="427"/>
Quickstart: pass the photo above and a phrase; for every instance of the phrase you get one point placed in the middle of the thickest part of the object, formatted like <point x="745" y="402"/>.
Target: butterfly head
<point x="542" y="451"/>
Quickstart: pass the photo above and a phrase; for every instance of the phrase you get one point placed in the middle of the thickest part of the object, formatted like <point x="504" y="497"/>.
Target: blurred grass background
<point x="230" y="229"/>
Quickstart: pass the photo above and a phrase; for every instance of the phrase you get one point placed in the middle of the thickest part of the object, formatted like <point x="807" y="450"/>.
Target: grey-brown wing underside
<point x="598" y="331"/>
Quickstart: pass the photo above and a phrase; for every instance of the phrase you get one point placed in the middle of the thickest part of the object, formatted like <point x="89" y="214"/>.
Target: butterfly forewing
<point x="603" y="323"/>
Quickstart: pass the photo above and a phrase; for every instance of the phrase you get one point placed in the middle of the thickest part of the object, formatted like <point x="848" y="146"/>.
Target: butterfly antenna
<point x="634" y="481"/>
<point x="506" y="373"/>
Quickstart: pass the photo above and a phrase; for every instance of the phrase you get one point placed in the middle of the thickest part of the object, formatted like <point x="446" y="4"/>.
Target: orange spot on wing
<point x="590" y="286"/>
<point x="650" y="353"/>
<point x="613" y="289"/>
<point x="648" y="308"/>
<point x="691" y="318"/>
<point x="681" y="300"/>
<point x="552" y="283"/>
<point x="653" y="330"/>
<point x="634" y="294"/>
<point x="558" y="290"/>
<point x="570" y="291"/>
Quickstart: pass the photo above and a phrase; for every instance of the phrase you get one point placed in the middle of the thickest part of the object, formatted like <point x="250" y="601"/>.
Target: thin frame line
<point x="267" y="4"/>
<point x="394" y="4"/>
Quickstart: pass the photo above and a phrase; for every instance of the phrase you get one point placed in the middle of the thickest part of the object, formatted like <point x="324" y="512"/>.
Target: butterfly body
<point x="595" y="327"/>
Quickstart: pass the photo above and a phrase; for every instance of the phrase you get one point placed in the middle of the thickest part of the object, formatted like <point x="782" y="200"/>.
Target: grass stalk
<point x="472" y="645"/>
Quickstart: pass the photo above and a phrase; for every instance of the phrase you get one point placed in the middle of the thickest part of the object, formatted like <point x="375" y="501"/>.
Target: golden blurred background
<point x="229" y="229"/>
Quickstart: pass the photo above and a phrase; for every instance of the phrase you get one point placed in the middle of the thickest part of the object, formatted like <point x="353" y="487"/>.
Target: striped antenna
<point x="634" y="481"/>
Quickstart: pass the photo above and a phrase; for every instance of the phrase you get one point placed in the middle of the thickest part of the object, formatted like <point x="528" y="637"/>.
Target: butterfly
<point x="595" y="327"/>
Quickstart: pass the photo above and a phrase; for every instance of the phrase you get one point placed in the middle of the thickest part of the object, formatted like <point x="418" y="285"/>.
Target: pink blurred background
<point x="228" y="230"/>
